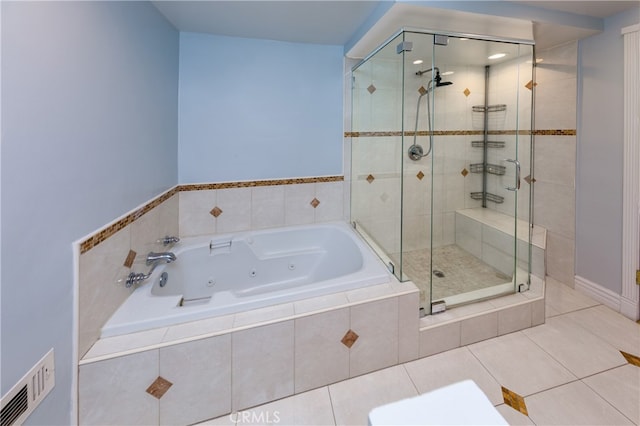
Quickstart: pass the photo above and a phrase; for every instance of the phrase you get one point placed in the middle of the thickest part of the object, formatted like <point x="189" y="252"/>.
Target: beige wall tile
<point x="99" y="292"/>
<point x="267" y="206"/>
<point x="201" y="375"/>
<point x="194" y="212"/>
<point x="408" y="327"/>
<point x="439" y="339"/>
<point x="113" y="392"/>
<point x="320" y="356"/>
<point x="377" y="325"/>
<point x="479" y="328"/>
<point x="262" y="365"/>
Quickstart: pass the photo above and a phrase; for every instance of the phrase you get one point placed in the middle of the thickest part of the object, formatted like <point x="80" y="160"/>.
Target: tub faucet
<point x="153" y="260"/>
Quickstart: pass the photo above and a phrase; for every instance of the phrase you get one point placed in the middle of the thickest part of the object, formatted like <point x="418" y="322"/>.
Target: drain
<point x="438" y="273"/>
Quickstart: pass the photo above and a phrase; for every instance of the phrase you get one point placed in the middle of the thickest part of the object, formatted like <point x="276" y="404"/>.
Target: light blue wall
<point x="599" y="154"/>
<point x="258" y="109"/>
<point x="89" y="131"/>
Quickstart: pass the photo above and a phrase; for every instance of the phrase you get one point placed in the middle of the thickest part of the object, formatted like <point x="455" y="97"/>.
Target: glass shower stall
<point x="441" y="163"/>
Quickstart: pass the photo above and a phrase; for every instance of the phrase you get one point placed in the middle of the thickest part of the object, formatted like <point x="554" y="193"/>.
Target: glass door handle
<point x="517" y="164"/>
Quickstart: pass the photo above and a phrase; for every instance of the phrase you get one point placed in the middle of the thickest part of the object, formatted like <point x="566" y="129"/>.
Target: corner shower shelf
<point x="490" y="197"/>
<point x="494" y="169"/>
<point x="489" y="108"/>
<point x="490" y="144"/>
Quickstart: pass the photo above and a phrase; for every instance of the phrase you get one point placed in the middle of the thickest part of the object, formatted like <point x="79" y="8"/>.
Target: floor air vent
<point x="25" y="396"/>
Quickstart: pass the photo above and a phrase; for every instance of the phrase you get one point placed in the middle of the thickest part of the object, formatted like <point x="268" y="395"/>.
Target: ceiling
<point x="318" y="21"/>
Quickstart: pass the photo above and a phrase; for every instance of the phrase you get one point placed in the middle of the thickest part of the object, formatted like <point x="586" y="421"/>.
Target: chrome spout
<point x="155" y="258"/>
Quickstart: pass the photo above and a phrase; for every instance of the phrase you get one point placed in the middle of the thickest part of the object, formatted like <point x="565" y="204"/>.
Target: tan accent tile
<point x="514" y="401"/>
<point x="315" y="203"/>
<point x="349" y="338"/>
<point x="371" y="88"/>
<point x="530" y="85"/>
<point x="422" y="90"/>
<point x="467" y="92"/>
<point x="529" y="179"/>
<point x="159" y="387"/>
<point x="631" y="359"/>
<point x="420" y="175"/>
<point x="464" y="172"/>
<point x="128" y="262"/>
<point x="370" y="178"/>
<point x="216" y="211"/>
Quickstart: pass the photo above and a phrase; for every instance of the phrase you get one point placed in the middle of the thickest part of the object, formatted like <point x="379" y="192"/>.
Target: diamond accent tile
<point x="467" y="92"/>
<point x="529" y="179"/>
<point x="422" y="90"/>
<point x="370" y="178"/>
<point x="159" y="387"/>
<point x="315" y="203"/>
<point x="464" y="172"/>
<point x="514" y="401"/>
<point x="349" y="338"/>
<point x="420" y="175"/>
<point x="128" y="262"/>
<point x="631" y="359"/>
<point x="216" y="211"/>
<point x="371" y="88"/>
<point x="530" y="85"/>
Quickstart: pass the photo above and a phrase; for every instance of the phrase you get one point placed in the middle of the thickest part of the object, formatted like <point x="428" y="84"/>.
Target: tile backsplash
<point x="109" y="254"/>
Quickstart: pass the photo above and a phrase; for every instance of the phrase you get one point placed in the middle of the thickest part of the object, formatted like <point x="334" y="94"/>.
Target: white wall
<point x="599" y="154"/>
<point x="89" y="115"/>
<point x="258" y="109"/>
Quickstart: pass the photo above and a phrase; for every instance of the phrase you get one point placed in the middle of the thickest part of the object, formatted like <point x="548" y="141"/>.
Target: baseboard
<point x="598" y="292"/>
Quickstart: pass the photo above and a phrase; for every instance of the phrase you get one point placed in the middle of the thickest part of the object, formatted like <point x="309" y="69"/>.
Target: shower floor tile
<point x="456" y="271"/>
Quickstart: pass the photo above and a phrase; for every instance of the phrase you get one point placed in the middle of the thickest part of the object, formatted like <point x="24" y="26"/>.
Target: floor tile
<point x="308" y="408"/>
<point x="513" y="417"/>
<point x="621" y="387"/>
<point x="562" y="298"/>
<point x="573" y="404"/>
<point x="354" y="398"/>
<point x="619" y="331"/>
<point x="519" y="364"/>
<point x="568" y="342"/>
<point x="450" y="367"/>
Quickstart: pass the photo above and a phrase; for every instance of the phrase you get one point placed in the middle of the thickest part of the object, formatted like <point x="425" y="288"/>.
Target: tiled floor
<point x="570" y="372"/>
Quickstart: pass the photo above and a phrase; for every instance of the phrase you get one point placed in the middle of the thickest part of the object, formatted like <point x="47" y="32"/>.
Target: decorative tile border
<point x="548" y="132"/>
<point x="255" y="183"/>
<point x="110" y="230"/>
<point x="105" y="233"/>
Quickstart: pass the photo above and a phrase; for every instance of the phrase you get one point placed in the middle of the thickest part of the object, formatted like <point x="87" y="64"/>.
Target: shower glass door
<point x="440" y="135"/>
<point x="465" y="100"/>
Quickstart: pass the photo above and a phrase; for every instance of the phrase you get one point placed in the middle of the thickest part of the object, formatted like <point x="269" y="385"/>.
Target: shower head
<point x="437" y="78"/>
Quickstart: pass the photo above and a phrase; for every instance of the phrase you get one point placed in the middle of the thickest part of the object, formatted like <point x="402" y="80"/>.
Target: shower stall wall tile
<point x="515" y="318"/>
<point x="439" y="339"/>
<point x="479" y="328"/>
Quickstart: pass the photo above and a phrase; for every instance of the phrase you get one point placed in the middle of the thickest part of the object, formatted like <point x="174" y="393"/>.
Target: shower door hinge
<point x="405" y="46"/>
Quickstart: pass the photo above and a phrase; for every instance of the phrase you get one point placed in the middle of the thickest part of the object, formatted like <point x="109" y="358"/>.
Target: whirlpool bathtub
<point x="231" y="273"/>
